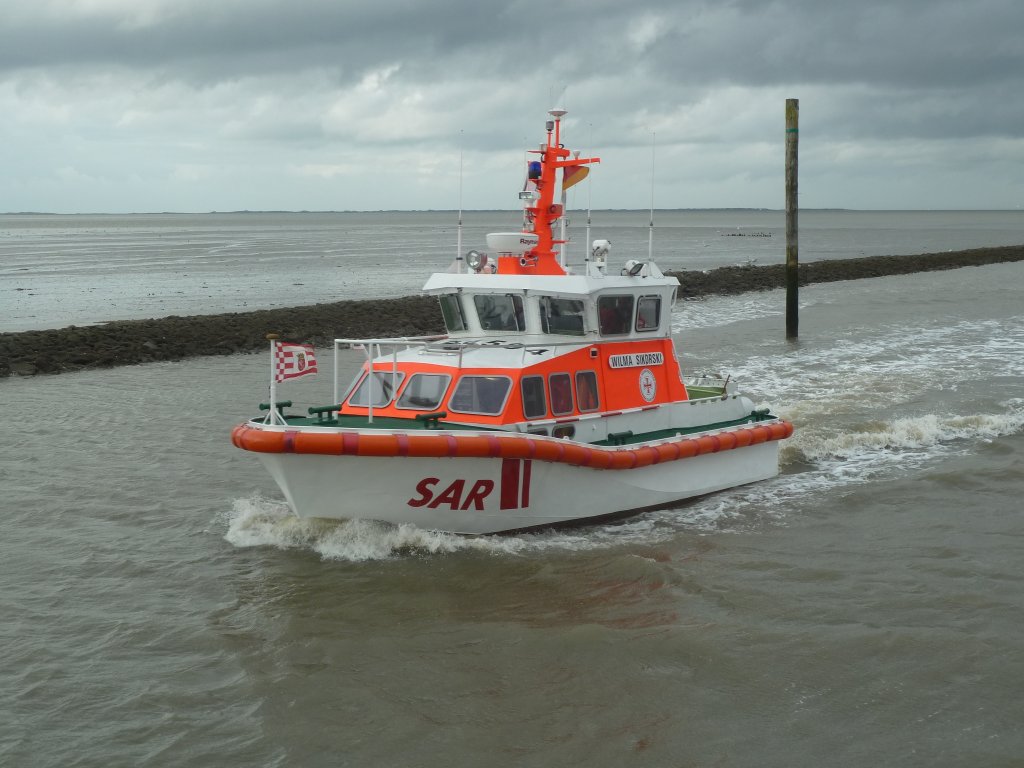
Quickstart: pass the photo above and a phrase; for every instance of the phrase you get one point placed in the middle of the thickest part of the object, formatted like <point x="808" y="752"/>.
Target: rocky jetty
<point x="129" y="342"/>
<point x="742" y="279"/>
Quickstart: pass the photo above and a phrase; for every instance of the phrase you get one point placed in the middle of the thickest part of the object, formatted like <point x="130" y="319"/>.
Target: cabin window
<point x="648" y="313"/>
<point x="615" y="313"/>
<point x="561" y="316"/>
<point x="480" y="394"/>
<point x="500" y="313"/>
<point x="534" y="404"/>
<point x="424" y="391"/>
<point x="586" y="391"/>
<point x="378" y="388"/>
<point x="561" y="393"/>
<point x="564" y="431"/>
<point x="451" y="309"/>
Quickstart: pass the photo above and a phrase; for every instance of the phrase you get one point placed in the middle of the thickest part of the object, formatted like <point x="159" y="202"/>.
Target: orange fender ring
<point x="375" y="445"/>
<point x="760" y="434"/>
<point x="622" y="459"/>
<point x="708" y="444"/>
<point x="646" y="455"/>
<point x="297" y="442"/>
<point x="500" y="446"/>
<point x="727" y="441"/>
<point x="600" y="459"/>
<point x="667" y="452"/>
<point x="576" y="454"/>
<point x="688" y="449"/>
<point x="743" y="438"/>
<point x="548" y="451"/>
<point x="481" y="446"/>
<point x="258" y="440"/>
<point x="518" y="448"/>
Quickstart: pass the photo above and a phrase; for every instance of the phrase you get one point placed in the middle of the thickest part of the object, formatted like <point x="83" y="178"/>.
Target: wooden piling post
<point x="792" y="205"/>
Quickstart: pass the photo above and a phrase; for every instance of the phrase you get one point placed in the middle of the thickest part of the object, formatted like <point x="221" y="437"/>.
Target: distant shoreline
<point x="129" y="342"/>
<point x="453" y="211"/>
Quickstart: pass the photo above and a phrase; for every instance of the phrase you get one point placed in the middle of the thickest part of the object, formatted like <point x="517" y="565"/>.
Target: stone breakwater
<point x="128" y="342"/>
<point x="743" y="279"/>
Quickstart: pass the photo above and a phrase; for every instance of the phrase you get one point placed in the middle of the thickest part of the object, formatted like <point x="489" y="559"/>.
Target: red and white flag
<point x="293" y="360"/>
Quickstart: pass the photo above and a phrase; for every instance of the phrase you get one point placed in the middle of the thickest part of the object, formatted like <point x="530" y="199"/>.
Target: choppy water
<point x="160" y="607"/>
<point x="58" y="270"/>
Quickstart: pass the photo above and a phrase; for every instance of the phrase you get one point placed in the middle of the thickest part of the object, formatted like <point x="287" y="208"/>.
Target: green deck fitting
<point x="699" y="393"/>
<point x="279" y="403"/>
<point x="323" y="413"/>
<point x="432" y="420"/>
<point x="618" y="438"/>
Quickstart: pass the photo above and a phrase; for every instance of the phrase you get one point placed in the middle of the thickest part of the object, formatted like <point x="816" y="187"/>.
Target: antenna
<point x="590" y="181"/>
<point x="564" y="247"/>
<point x="650" y="232"/>
<point x="458" y="237"/>
<point x="557" y="102"/>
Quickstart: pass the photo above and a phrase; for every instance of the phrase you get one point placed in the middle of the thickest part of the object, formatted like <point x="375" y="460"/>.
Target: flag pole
<point x="272" y="338"/>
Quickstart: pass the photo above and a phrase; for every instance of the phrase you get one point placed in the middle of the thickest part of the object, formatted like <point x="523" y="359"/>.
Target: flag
<point x="293" y="360"/>
<point x="573" y="174"/>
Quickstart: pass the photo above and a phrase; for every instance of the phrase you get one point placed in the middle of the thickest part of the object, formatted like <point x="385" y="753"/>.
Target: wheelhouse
<point x="535" y="354"/>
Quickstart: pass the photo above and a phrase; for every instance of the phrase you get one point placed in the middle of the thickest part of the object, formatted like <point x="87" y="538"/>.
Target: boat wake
<point x="929" y="434"/>
<point x="813" y="462"/>
<point x="718" y="311"/>
<point x="260" y="522"/>
<point x="257" y="521"/>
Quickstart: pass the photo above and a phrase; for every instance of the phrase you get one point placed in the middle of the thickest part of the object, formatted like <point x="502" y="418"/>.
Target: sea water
<point x="161" y="607"/>
<point x="59" y="270"/>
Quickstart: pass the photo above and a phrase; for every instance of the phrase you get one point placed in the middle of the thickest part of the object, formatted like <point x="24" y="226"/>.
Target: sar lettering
<point x="454" y="496"/>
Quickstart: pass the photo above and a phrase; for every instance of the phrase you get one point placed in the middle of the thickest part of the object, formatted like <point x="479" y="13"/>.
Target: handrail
<point x="392" y="340"/>
<point x="470" y="343"/>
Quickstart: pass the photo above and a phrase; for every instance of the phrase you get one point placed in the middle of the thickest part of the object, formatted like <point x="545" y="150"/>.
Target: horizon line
<point x="305" y="211"/>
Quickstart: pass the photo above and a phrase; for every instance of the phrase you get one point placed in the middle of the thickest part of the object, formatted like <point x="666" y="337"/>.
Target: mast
<point x="542" y="211"/>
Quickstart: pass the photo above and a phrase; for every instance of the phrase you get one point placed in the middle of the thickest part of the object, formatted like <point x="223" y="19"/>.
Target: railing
<point x="436" y="344"/>
<point x="367" y="345"/>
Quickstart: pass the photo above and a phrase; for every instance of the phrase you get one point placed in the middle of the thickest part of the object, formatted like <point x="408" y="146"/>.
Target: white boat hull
<point x="491" y="495"/>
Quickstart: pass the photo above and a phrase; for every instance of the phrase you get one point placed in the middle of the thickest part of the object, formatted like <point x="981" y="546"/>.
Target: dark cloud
<point x="184" y="87"/>
<point x="913" y="43"/>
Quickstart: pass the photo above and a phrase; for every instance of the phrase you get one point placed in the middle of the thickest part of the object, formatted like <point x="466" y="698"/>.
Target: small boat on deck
<point x="555" y="397"/>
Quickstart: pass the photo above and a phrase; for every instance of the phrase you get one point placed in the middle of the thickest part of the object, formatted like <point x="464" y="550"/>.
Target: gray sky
<point x="199" y="105"/>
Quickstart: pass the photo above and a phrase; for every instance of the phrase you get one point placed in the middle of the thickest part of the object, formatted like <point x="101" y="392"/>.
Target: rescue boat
<point x="555" y="397"/>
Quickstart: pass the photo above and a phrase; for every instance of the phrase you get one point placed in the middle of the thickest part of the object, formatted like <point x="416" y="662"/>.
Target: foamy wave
<point x="922" y="432"/>
<point x="745" y="507"/>
<point x="262" y="522"/>
<point x="819" y="463"/>
<point x="716" y="311"/>
<point x="891" y="365"/>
